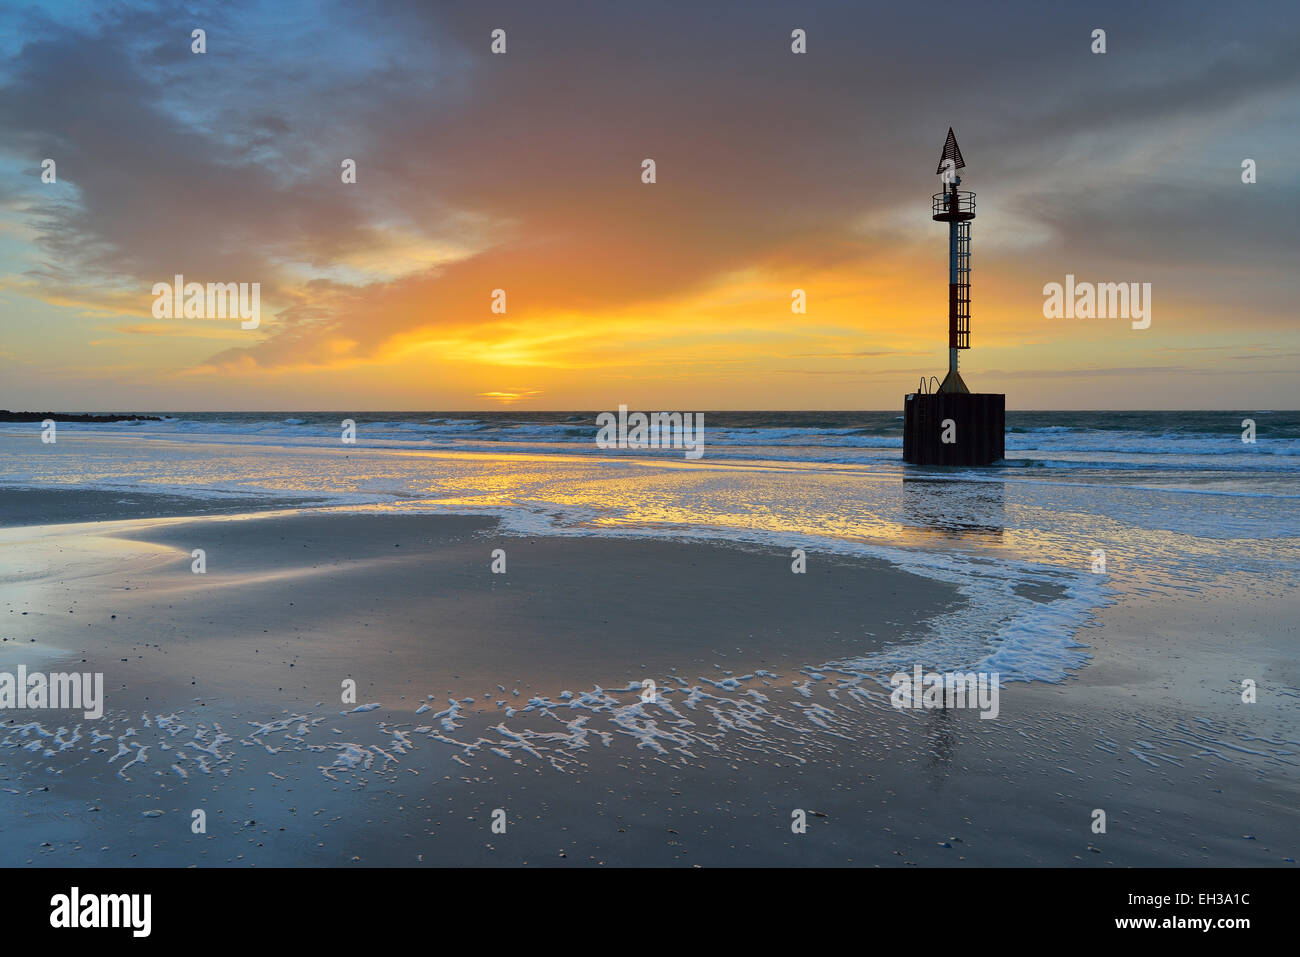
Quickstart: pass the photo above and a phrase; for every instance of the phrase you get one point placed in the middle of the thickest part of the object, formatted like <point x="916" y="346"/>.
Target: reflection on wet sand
<point x="941" y="735"/>
<point x="955" y="509"/>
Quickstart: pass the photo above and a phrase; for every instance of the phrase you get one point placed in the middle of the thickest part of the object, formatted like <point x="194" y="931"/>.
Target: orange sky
<point x="523" y="172"/>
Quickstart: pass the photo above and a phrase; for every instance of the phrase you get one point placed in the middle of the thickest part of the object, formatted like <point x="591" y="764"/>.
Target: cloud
<point x="509" y="398"/>
<point x="522" y="172"/>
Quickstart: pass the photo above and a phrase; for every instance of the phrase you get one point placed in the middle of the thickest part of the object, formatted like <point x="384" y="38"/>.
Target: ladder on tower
<point x="959" y="330"/>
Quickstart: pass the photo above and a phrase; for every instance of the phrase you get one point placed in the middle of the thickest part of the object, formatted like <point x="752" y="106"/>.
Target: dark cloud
<point x="226" y="166"/>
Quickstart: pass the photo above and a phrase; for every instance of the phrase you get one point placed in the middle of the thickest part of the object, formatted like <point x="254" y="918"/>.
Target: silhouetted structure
<point x="952" y="425"/>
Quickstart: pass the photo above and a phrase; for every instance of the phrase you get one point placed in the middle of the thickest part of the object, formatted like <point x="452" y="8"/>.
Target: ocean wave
<point x="1103" y="441"/>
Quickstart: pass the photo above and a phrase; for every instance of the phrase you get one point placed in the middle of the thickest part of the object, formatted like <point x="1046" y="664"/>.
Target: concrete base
<point x="977" y="428"/>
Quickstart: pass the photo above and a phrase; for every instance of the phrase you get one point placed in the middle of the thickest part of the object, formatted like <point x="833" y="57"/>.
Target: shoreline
<point x="407" y="605"/>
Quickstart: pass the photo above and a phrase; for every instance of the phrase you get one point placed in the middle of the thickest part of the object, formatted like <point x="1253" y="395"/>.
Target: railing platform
<point x="964" y="208"/>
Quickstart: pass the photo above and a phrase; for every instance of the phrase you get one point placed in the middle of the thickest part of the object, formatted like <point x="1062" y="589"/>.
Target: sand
<point x="294" y="603"/>
<point x="56" y="506"/>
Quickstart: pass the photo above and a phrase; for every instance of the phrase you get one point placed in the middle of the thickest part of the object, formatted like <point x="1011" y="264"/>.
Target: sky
<point x="522" y="171"/>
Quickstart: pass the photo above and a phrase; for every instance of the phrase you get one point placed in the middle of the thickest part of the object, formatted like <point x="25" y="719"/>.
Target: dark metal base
<point x="977" y="428"/>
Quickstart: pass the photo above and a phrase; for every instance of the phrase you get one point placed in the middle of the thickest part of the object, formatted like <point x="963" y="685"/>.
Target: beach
<point x="499" y="620"/>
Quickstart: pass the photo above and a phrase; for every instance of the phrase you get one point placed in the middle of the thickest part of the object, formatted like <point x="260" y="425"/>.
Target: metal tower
<point x="955" y="207"/>
<point x="954" y="426"/>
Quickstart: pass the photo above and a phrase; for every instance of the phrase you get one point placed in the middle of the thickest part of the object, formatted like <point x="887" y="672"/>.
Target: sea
<point x="1091" y="504"/>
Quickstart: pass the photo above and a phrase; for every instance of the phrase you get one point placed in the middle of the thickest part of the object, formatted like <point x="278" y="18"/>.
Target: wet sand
<point x="56" y="506"/>
<point x="224" y="695"/>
